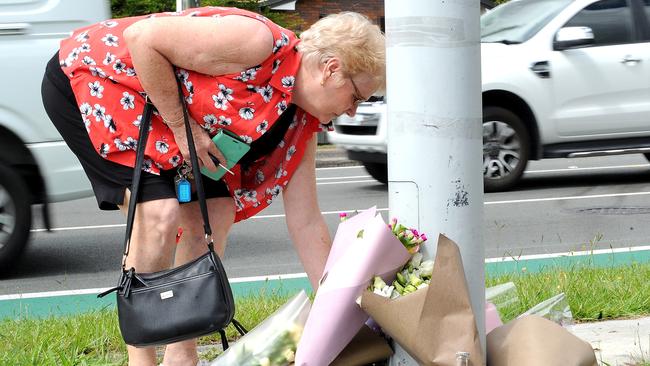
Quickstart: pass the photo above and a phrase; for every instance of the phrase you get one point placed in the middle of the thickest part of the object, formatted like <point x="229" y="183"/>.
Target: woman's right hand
<point x="203" y="144"/>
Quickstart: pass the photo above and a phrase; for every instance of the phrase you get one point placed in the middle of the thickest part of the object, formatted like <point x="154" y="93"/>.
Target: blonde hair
<point x="350" y="36"/>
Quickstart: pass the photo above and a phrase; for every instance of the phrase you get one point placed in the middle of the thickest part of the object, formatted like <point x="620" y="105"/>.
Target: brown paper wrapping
<point x="365" y="348"/>
<point x="435" y="322"/>
<point x="535" y="341"/>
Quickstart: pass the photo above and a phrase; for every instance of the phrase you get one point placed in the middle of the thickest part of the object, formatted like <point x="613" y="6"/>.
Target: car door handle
<point x="630" y="60"/>
<point x="13" y="29"/>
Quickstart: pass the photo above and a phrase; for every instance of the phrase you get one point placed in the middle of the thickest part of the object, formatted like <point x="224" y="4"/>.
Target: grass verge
<point x="94" y="338"/>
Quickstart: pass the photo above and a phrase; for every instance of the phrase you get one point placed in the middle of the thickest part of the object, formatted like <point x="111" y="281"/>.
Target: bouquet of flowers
<point x="415" y="275"/>
<point x="273" y="342"/>
<point x="364" y="246"/>
<point x="435" y="320"/>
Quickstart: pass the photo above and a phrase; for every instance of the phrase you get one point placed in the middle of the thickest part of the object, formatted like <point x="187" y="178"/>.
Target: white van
<point x="36" y="166"/>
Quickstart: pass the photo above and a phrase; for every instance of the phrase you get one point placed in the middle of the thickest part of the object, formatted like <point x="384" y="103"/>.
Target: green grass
<point x="94" y="339"/>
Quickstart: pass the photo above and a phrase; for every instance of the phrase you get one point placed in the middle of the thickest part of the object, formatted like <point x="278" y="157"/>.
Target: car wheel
<point x="15" y="216"/>
<point x="506" y="148"/>
<point x="378" y="171"/>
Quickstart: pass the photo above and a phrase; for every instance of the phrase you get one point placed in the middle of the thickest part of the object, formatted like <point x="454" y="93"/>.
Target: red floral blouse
<point x="248" y="103"/>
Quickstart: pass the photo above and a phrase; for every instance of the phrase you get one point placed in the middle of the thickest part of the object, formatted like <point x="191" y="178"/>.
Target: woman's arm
<point x="208" y="45"/>
<point x="305" y="222"/>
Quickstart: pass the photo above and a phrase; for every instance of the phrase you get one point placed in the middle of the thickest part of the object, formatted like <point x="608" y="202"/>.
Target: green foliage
<point x="128" y="8"/>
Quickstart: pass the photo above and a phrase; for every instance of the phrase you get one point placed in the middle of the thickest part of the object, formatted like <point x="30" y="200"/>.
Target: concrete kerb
<point x="332" y="156"/>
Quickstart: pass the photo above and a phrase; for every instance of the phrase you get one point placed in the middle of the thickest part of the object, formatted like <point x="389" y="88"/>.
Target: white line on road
<point x="348" y="177"/>
<point x="527" y="200"/>
<point x="348" y="181"/>
<point x="341" y="167"/>
<point x="34" y="295"/>
<point x="645" y="166"/>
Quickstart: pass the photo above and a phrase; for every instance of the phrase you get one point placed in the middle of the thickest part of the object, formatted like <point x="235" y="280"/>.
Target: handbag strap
<point x="137" y="173"/>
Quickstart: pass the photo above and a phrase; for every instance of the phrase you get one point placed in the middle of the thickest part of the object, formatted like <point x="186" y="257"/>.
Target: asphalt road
<point x="561" y="205"/>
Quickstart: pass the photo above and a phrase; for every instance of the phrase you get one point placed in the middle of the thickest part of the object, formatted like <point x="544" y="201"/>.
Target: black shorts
<point x="109" y="180"/>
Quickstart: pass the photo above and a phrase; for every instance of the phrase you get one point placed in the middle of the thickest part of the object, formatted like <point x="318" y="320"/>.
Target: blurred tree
<point x="128" y="8"/>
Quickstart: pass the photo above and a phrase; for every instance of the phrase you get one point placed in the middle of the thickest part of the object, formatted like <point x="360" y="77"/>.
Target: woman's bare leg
<point x="192" y="245"/>
<point x="151" y="249"/>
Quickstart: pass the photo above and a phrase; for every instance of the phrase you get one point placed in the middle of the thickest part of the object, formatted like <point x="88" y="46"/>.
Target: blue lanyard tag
<point x="183" y="190"/>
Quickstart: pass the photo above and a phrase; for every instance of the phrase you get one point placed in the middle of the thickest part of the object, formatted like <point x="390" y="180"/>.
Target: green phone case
<point x="232" y="147"/>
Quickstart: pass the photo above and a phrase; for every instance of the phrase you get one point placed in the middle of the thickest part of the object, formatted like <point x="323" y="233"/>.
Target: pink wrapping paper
<point x="335" y="317"/>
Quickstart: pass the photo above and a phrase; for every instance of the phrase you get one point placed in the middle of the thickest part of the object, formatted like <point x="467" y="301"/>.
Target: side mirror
<point x="572" y="37"/>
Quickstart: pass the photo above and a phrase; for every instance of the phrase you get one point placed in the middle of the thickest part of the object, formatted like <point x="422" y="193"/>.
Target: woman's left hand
<point x="203" y="144"/>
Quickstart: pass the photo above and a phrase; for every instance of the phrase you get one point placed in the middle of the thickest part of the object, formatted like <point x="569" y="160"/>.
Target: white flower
<point x="223" y="121"/>
<point x="99" y="112"/>
<point x="276" y="65"/>
<point x="82" y="37"/>
<point x="84" y="48"/>
<point x="87" y="60"/>
<point x="250" y="195"/>
<point x="109" y="24"/>
<point x="109" y="123"/>
<point x="175" y="160"/>
<point x="282" y="106"/>
<point x="247" y="139"/>
<point x="110" y="40"/>
<point x="247" y="113"/>
<point x="220" y="101"/>
<point x="266" y="92"/>
<point x="96" y="71"/>
<point x="108" y="58"/>
<point x="426" y="268"/>
<point x="119" y="66"/>
<point x="262" y="127"/>
<point x="130" y="72"/>
<point x="279" y="173"/>
<point x="290" y="151"/>
<point x="137" y="121"/>
<point x="96" y="89"/>
<point x="210" y="121"/>
<point x="127" y="101"/>
<point x="104" y="149"/>
<point x="227" y="92"/>
<point x="85" y="109"/>
<point x="259" y="176"/>
<point x="288" y="81"/>
<point x="162" y="147"/>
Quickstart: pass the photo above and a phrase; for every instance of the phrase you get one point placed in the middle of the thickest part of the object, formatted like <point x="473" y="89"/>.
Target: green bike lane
<point x="59" y="303"/>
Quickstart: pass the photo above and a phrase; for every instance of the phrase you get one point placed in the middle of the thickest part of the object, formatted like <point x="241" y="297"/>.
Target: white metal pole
<point x="435" y="131"/>
<point x="185" y="4"/>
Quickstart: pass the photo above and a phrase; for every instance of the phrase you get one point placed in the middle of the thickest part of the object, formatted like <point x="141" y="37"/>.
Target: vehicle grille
<point x="355" y="130"/>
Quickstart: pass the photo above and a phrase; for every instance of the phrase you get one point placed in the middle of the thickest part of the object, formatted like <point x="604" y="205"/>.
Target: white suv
<point x="36" y="166"/>
<point x="561" y="78"/>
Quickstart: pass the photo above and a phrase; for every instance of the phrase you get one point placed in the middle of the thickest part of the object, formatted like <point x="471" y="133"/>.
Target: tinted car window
<point x="611" y="21"/>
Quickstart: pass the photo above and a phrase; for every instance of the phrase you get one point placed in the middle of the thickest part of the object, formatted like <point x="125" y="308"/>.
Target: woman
<point x="240" y="72"/>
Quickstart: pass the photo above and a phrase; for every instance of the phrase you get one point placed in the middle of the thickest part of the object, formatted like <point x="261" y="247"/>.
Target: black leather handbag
<point x="181" y="303"/>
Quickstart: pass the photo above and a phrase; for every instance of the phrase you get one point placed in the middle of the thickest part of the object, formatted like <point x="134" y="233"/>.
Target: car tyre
<point x="506" y="148"/>
<point x="15" y="217"/>
<point x="378" y="171"/>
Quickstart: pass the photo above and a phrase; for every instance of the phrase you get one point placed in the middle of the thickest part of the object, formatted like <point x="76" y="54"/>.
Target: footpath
<point x="616" y="342"/>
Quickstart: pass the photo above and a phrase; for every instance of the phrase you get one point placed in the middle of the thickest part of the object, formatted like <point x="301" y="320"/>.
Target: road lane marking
<point x="288" y="276"/>
<point x="348" y="181"/>
<point x="567" y="198"/>
<point x="348" y="177"/>
<point x="341" y="167"/>
<point x="645" y="166"/>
